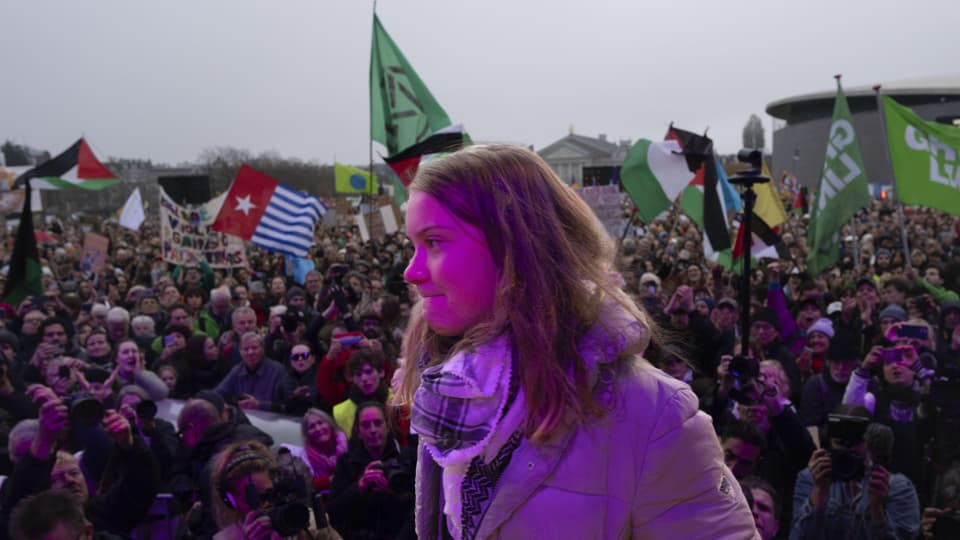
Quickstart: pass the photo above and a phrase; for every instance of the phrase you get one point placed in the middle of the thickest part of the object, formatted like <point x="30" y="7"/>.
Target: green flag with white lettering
<point x="841" y="192"/>
<point x="403" y="112"/>
<point x="925" y="157"/>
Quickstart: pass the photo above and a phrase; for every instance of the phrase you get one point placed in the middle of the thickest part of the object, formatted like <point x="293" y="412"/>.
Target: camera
<point x="913" y="331"/>
<point x="291" y="319"/>
<point x="288" y="515"/>
<point x="947" y="526"/>
<point x="399" y="474"/>
<point x="753" y="175"/>
<point x="336" y="273"/>
<point x="846" y="464"/>
<point x="146" y="410"/>
<point x="744" y="371"/>
<point x="84" y="409"/>
<point x="891" y="355"/>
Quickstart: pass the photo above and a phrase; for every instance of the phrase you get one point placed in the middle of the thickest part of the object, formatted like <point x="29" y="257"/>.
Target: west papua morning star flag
<point x="269" y="214"/>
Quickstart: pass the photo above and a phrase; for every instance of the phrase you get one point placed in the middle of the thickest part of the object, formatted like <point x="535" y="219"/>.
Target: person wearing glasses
<point x="301" y="383"/>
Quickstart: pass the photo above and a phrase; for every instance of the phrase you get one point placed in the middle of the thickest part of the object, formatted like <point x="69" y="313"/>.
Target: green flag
<point x="841" y="192"/>
<point x="403" y="112"/>
<point x="25" y="272"/>
<point x="925" y="157"/>
<point x="399" y="192"/>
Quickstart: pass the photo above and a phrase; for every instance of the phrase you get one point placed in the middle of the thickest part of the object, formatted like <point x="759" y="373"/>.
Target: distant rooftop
<point x="946" y="85"/>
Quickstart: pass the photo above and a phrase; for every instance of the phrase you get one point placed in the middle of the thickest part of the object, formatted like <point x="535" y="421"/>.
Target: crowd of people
<point x="840" y="420"/>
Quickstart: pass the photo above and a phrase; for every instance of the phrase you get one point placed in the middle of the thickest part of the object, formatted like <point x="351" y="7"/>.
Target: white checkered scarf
<point x="460" y="402"/>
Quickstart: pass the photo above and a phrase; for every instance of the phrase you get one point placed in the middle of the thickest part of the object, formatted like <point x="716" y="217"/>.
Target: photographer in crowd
<point x="847" y="492"/>
<point x="124" y="493"/>
<point x="372" y="491"/>
<point x="258" y="499"/>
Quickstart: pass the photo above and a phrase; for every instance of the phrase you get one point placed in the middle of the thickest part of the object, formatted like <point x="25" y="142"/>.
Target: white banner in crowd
<point x="11" y="202"/>
<point x="188" y="236"/>
<point x="605" y="202"/>
<point x="132" y="216"/>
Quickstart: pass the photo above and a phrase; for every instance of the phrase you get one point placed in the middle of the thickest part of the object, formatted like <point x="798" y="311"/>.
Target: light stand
<point x="747" y="179"/>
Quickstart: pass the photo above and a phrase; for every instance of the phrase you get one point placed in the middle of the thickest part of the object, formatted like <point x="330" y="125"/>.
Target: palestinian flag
<point x="76" y="167"/>
<point x="800" y="206"/>
<point x="654" y="173"/>
<point x="701" y="199"/>
<point x="406" y="162"/>
<point x="766" y="242"/>
<point x="23" y="276"/>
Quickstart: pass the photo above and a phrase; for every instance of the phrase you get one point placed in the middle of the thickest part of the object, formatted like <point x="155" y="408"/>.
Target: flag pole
<point x="856" y="243"/>
<point x="626" y="229"/>
<point x="370" y="146"/>
<point x="886" y="145"/>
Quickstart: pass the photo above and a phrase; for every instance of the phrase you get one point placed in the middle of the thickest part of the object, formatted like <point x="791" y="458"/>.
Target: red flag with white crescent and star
<point x="245" y="203"/>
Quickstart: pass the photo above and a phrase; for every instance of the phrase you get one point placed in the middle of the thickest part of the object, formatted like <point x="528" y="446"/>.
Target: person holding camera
<point x="372" y="491"/>
<point x="846" y="491"/>
<point x="886" y="384"/>
<point x="257" y="499"/>
<point x="126" y="489"/>
<point x="760" y="402"/>
<point x="135" y="405"/>
<point x="289" y="329"/>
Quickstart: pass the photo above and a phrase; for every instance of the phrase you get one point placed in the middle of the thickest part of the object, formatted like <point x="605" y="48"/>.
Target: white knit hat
<point x="824" y="326"/>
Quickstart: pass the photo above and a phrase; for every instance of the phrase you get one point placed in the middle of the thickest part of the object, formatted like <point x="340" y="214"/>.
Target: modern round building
<point x="800" y="145"/>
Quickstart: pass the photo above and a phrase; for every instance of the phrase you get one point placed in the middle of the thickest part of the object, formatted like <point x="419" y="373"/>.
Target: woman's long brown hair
<point x="554" y="258"/>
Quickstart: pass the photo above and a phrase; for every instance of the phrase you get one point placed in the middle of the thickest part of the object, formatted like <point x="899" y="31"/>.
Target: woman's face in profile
<point x="451" y="268"/>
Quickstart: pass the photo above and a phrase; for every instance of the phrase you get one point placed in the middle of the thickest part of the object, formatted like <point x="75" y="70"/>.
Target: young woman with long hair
<point x="537" y="415"/>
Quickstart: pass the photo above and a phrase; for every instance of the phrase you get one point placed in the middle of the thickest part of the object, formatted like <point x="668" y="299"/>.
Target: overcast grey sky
<point x="165" y="80"/>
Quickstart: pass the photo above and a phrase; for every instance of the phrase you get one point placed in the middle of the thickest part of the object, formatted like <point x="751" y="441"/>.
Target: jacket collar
<point x="528" y="469"/>
<point x="607" y="348"/>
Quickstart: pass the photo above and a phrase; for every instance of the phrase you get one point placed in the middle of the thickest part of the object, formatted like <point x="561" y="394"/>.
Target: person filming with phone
<point x="887" y="384"/>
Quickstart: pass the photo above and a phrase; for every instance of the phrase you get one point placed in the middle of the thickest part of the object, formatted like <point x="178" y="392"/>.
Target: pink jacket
<point x="651" y="468"/>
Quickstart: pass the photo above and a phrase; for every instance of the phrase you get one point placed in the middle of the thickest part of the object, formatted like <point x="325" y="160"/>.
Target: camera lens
<point x="289" y="519"/>
<point x="86" y="411"/>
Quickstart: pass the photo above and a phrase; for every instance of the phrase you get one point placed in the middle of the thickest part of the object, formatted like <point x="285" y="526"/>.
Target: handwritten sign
<point x="188" y="237"/>
<point x="94" y="254"/>
<point x="605" y="202"/>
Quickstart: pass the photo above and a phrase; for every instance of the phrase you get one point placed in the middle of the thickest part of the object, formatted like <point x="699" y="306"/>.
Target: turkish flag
<point x="245" y="203"/>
